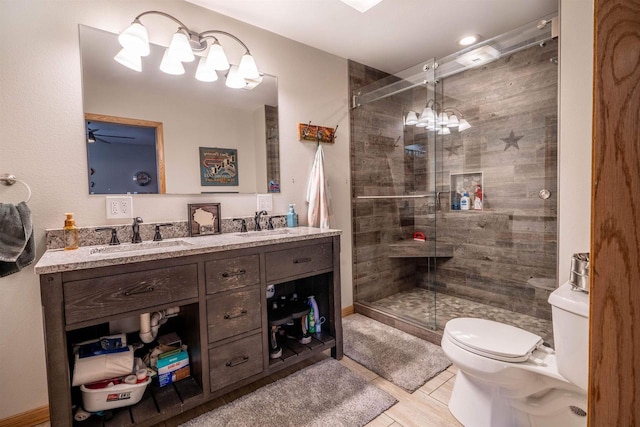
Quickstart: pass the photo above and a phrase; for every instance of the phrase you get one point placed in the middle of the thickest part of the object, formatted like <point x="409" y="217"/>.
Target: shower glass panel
<point x="475" y="129"/>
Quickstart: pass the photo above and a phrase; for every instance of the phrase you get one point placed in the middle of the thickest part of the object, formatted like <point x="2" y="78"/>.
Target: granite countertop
<point x="59" y="260"/>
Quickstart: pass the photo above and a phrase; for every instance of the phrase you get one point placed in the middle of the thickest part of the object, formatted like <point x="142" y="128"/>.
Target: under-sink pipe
<point x="150" y="323"/>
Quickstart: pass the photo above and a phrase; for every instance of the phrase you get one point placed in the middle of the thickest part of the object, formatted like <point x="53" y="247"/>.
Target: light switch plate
<point x="265" y="202"/>
<point x="119" y="207"/>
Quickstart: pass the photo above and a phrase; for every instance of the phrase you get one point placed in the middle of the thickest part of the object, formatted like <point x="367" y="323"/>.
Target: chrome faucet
<point x="136" y="230"/>
<point x="257" y="219"/>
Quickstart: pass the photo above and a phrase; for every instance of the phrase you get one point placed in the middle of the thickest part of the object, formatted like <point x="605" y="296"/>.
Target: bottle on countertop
<point x="71" y="237"/>
<point x="292" y="217"/>
<point x="464" y="202"/>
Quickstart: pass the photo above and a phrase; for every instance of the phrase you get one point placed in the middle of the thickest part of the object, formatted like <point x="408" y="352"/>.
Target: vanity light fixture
<point x="184" y="43"/>
<point x="434" y="118"/>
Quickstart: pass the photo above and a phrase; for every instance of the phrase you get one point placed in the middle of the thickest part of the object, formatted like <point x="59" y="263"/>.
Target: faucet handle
<point x="243" y="224"/>
<point x="157" y="236"/>
<point x="137" y="220"/>
<point x="114" y="235"/>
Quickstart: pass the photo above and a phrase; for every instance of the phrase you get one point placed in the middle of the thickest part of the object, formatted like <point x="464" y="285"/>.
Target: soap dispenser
<point x="71" y="237"/>
<point x="292" y="217"/>
<point x="465" y="202"/>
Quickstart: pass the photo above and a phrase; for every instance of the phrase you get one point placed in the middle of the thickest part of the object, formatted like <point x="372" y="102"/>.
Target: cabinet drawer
<point x="232" y="273"/>
<point x="233" y="313"/>
<point x="298" y="261"/>
<point x="235" y="361"/>
<point x="104" y="296"/>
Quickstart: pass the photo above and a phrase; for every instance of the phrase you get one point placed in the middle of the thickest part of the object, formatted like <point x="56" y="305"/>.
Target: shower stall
<point x="454" y="186"/>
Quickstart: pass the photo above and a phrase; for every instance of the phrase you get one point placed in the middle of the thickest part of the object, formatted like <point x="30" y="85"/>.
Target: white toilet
<point x="507" y="378"/>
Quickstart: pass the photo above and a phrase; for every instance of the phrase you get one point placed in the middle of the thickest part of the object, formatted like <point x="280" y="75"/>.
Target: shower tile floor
<point x="417" y="305"/>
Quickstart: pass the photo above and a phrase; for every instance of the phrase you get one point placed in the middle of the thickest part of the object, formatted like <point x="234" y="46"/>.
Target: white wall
<point x="42" y="142"/>
<point x="576" y="101"/>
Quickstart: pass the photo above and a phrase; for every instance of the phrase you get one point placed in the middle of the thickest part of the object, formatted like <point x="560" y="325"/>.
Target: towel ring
<point x="8" y="179"/>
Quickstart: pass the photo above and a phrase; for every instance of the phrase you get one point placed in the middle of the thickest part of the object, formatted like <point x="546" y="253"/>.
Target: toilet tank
<point x="570" y="314"/>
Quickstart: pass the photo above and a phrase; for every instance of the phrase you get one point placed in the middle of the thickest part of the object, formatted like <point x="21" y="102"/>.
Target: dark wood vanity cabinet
<point x="223" y="319"/>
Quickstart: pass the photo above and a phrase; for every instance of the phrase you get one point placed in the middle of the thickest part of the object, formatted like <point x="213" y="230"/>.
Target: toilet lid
<point x="492" y="339"/>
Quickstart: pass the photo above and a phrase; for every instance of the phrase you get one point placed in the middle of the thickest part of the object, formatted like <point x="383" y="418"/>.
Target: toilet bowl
<point x="508" y="378"/>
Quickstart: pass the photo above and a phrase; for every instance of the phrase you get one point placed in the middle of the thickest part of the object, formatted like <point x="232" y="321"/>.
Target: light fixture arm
<point x="455" y="111"/>
<point x="166" y="15"/>
<point x="206" y="34"/>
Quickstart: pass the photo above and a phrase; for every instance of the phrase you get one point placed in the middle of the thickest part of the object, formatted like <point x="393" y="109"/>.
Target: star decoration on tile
<point x="511" y="141"/>
<point x="453" y="149"/>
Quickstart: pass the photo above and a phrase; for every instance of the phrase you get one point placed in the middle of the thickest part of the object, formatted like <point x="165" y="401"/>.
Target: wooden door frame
<point x="614" y="354"/>
<point x="162" y="186"/>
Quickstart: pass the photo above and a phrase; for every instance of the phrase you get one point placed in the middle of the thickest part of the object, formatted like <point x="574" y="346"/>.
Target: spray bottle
<point x="314" y="316"/>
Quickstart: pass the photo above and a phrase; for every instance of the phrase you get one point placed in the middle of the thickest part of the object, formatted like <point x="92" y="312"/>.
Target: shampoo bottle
<point x="71" y="238"/>
<point x="292" y="217"/>
<point x="316" y="314"/>
<point x="464" y="202"/>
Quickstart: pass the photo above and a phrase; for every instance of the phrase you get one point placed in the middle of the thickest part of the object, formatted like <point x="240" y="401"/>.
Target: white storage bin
<point x="117" y="396"/>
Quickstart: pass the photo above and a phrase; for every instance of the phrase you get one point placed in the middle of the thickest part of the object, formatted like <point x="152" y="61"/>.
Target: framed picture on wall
<point x="204" y="219"/>
<point x="218" y="166"/>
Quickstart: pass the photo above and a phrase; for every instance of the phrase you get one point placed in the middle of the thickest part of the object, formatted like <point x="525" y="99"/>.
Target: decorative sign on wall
<point x="218" y="166"/>
<point x="315" y="133"/>
<point x="204" y="218"/>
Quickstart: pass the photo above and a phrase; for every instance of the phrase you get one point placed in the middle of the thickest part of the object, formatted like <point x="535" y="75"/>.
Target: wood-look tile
<point x="359" y="369"/>
<point x="436" y="382"/>
<point x="453" y="369"/>
<point x="443" y="393"/>
<point x="417" y="409"/>
<point x="381" y="420"/>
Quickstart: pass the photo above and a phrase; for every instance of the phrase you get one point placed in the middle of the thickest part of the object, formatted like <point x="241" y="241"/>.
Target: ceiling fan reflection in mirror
<point x="93" y="136"/>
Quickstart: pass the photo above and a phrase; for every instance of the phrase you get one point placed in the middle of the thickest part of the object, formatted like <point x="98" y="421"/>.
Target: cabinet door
<point x="233" y="313"/>
<point x="235" y="361"/>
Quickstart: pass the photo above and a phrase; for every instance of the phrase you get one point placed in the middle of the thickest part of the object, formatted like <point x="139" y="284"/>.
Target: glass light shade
<point x="171" y="65"/>
<point x="248" y="68"/>
<point x="204" y="73"/>
<point x="412" y="118"/>
<point x="444" y="131"/>
<point x="421" y="124"/>
<point x="135" y="39"/>
<point x="427" y="115"/>
<point x="216" y="58"/>
<point x="453" y="121"/>
<point x="431" y="126"/>
<point x="129" y="60"/>
<point x="464" y="125"/>
<point x="180" y="49"/>
<point x="234" y="79"/>
<point x="442" y="119"/>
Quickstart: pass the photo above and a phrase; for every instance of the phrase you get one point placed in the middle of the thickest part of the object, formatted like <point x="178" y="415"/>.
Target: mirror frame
<point x="162" y="186"/>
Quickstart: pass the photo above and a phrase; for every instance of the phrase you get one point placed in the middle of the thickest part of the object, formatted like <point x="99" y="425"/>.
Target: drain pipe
<point x="150" y="323"/>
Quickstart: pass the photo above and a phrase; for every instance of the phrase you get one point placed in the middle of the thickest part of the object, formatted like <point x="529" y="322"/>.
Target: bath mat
<point x="403" y="359"/>
<point x="324" y="394"/>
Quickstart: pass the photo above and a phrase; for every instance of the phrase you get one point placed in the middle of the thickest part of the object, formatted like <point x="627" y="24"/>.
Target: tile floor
<point x="417" y="304"/>
<point x="426" y="406"/>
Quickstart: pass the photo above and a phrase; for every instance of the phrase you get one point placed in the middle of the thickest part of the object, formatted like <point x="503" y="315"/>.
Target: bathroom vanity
<point x="219" y="283"/>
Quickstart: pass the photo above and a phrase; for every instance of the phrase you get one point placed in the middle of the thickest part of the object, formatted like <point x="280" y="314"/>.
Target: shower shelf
<point x="413" y="249"/>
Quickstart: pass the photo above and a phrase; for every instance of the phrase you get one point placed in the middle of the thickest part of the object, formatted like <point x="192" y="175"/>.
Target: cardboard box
<point x="173" y="367"/>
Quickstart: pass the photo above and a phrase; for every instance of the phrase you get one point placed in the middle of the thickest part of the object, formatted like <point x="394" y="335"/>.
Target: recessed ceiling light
<point x="361" y="5"/>
<point x="468" y="40"/>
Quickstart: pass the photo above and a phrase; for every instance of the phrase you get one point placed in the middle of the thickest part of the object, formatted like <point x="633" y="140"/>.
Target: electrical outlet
<point x="265" y="202"/>
<point x="119" y="207"/>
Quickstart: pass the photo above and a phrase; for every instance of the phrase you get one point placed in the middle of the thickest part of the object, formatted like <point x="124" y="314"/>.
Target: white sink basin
<point x="265" y="233"/>
<point x="130" y="247"/>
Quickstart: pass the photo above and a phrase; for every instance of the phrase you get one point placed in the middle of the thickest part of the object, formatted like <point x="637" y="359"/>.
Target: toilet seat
<point x="491" y="339"/>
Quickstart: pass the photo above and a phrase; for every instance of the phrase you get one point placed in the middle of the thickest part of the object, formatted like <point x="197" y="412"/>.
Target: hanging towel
<point x="17" y="246"/>
<point x="318" y="194"/>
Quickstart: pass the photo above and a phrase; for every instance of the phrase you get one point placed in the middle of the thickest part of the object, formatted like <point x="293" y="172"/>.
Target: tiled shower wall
<point x="497" y="250"/>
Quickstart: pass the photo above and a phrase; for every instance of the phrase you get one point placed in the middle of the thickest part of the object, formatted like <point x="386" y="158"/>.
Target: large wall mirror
<point x="186" y="121"/>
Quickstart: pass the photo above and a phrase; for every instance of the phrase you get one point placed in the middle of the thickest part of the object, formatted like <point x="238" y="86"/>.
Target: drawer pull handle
<point x="235" y="273"/>
<point x="233" y="316"/>
<point x="146" y="290"/>
<point x="301" y="260"/>
<point x="237" y="361"/>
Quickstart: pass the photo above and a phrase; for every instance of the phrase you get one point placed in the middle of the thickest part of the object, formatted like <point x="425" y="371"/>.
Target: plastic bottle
<point x="315" y="314"/>
<point x="292" y="217"/>
<point x="455" y="202"/>
<point x="477" y="202"/>
<point x="464" y="202"/>
<point x="71" y="237"/>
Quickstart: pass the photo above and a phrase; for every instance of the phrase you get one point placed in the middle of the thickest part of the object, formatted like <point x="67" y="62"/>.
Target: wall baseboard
<point x="29" y="418"/>
<point x="346" y="311"/>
